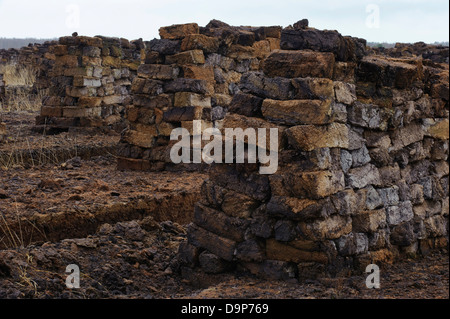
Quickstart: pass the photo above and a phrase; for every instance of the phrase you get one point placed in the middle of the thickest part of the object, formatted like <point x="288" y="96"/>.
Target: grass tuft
<point x="20" y="93"/>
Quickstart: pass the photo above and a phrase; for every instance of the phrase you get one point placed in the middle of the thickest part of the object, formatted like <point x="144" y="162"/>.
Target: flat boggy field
<point x="24" y="146"/>
<point x="63" y="202"/>
<point x="73" y="194"/>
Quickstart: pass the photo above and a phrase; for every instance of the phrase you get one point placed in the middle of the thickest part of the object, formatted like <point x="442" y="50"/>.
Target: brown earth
<point x="123" y="229"/>
<point x="137" y="259"/>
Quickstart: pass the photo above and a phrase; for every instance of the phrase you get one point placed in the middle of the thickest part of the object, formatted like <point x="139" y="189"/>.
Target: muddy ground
<point x="62" y="202"/>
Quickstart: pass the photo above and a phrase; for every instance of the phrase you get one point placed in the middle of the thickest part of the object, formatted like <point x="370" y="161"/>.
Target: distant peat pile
<point x="23" y="76"/>
<point x="90" y="82"/>
<point x="191" y="73"/>
<point x="429" y="52"/>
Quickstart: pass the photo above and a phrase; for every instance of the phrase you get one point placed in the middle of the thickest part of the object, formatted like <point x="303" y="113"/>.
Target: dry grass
<point x="9" y="236"/>
<point x="42" y="153"/>
<point x="26" y="281"/>
<point x="19" y="80"/>
<point x="18" y="75"/>
<point x="23" y="101"/>
<point x="14" y="230"/>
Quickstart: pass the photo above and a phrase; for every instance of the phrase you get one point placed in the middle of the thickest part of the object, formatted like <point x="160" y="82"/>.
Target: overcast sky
<point x="374" y="20"/>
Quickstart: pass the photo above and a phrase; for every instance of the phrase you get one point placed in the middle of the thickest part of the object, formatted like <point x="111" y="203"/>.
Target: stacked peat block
<point x="411" y="152"/>
<point x="2" y="125"/>
<point x="191" y="73"/>
<point x="8" y="55"/>
<point x="2" y="131"/>
<point x="362" y="174"/>
<point x="434" y="53"/>
<point x="42" y="59"/>
<point x="36" y="58"/>
<point x="2" y="88"/>
<point x="90" y="82"/>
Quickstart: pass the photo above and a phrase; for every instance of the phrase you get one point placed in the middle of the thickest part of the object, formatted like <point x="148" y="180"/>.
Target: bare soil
<point x="66" y="203"/>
